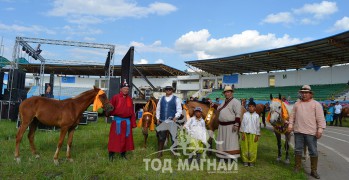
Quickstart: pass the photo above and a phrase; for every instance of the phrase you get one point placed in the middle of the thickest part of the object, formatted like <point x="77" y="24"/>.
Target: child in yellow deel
<point x="250" y="132"/>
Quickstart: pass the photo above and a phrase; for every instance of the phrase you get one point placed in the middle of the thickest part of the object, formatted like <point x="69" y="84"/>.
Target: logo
<point x="191" y="148"/>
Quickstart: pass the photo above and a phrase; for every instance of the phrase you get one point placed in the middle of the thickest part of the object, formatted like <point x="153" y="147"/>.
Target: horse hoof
<point x="55" y="161"/>
<point x="287" y="161"/>
<point x="37" y="156"/>
<point x="278" y="159"/>
<point x="18" y="160"/>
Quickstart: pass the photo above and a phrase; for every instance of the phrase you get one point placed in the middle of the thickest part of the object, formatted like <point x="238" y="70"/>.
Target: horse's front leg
<point x="19" y="136"/>
<point x="145" y="134"/>
<point x="60" y="142"/>
<point x="32" y="128"/>
<point x="70" y="142"/>
<point x="287" y="147"/>
<point x="278" y="138"/>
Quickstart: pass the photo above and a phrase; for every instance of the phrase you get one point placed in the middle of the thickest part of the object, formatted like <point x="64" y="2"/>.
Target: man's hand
<point x="290" y="128"/>
<point x="256" y="138"/>
<point x="318" y="135"/>
<point x="174" y="119"/>
<point x="243" y="136"/>
<point x="235" y="128"/>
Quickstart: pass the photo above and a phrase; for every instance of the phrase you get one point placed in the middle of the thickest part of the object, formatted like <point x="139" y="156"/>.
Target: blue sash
<point x="118" y="121"/>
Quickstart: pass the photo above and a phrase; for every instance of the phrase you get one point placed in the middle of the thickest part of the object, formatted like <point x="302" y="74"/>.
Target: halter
<point x="281" y="124"/>
<point x="152" y="114"/>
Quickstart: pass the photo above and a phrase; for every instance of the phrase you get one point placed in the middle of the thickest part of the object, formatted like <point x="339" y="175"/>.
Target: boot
<point x="198" y="157"/>
<point x="313" y="167"/>
<point x="298" y="163"/>
<point x="111" y="156"/>
<point x="160" y="148"/>
<point x="123" y="155"/>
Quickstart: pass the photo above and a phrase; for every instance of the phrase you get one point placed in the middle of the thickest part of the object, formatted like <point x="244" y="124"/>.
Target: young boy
<point x="250" y="132"/>
<point x="196" y="130"/>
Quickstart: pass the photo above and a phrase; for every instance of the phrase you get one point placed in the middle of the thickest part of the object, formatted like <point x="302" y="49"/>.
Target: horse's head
<point x="275" y="111"/>
<point x="149" y="113"/>
<point x="107" y="106"/>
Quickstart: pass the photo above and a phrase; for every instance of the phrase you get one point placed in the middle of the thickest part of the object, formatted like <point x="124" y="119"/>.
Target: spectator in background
<point x="217" y="101"/>
<point x="345" y="98"/>
<point x="337" y="114"/>
<point x="48" y="91"/>
<point x="329" y="114"/>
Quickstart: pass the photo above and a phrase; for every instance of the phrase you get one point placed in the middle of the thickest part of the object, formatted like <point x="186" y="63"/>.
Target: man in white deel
<point x="169" y="107"/>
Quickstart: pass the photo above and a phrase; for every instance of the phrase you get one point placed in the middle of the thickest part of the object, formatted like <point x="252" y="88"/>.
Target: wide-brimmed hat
<point x="306" y="88"/>
<point x="169" y="87"/>
<point x="198" y="109"/>
<point x="228" y="88"/>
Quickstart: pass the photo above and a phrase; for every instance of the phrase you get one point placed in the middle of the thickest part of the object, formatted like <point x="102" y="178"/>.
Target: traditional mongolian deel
<point x="229" y="116"/>
<point x="120" y="135"/>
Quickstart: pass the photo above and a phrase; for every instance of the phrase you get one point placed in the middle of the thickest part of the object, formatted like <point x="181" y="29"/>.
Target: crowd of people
<point x="305" y="121"/>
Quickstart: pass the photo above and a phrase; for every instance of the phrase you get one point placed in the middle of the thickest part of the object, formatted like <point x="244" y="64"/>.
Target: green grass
<point x="91" y="158"/>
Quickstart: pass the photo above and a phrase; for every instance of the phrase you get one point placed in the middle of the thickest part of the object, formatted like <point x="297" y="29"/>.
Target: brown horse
<point x="345" y="112"/>
<point x="65" y="114"/>
<point x="148" y="119"/>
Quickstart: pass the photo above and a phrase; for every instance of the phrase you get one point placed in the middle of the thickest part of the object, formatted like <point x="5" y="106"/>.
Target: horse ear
<point x="279" y="96"/>
<point x="271" y="96"/>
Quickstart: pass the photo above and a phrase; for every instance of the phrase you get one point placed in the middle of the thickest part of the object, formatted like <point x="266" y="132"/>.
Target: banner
<point x="231" y="79"/>
<point x="68" y="79"/>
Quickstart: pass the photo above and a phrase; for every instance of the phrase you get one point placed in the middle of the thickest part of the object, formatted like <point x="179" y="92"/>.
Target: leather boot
<point x="313" y="167"/>
<point x="123" y="155"/>
<point x="160" y="148"/>
<point x="298" y="163"/>
<point x="111" y="156"/>
<point x="198" y="157"/>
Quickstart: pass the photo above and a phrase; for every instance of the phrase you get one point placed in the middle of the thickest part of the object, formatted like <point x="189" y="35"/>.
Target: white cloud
<point x="142" y="61"/>
<point x="9" y="9"/>
<point x="342" y="24"/>
<point x="108" y="8"/>
<point x="154" y="47"/>
<point x="160" y="61"/>
<point x="308" y="14"/>
<point x="80" y="30"/>
<point x="318" y="10"/>
<point x="84" y="20"/>
<point x="203" y="46"/>
<point x="32" y="29"/>
<point x="89" y="39"/>
<point x="282" y="17"/>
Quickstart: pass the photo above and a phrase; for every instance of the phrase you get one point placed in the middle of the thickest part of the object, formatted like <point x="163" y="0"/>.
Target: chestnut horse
<point x="65" y="114"/>
<point x="148" y="119"/>
<point x="344" y="113"/>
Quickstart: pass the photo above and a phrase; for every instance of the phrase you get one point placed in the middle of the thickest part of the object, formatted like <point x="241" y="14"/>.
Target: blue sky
<point x="169" y="31"/>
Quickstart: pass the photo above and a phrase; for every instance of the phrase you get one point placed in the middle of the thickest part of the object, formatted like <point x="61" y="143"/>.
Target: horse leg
<point x="60" y="142"/>
<point x="278" y="138"/>
<point x="32" y="128"/>
<point x="19" y="136"/>
<point x="210" y="142"/>
<point x="145" y="134"/>
<point x="287" y="147"/>
<point x="70" y="142"/>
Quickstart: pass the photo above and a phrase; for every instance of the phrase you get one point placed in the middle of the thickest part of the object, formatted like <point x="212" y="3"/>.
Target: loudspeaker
<point x="16" y="79"/>
<point x="1" y="84"/>
<point x="127" y="67"/>
<point x="109" y="119"/>
<point x="16" y="95"/>
<point x="114" y="87"/>
<point x="13" y="113"/>
<point x="83" y="119"/>
<point x="92" y="116"/>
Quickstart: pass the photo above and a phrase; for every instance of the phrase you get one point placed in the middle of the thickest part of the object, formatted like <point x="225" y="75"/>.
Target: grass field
<point x="91" y="158"/>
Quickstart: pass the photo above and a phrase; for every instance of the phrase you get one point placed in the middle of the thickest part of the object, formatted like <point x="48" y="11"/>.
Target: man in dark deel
<point x="120" y="135"/>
